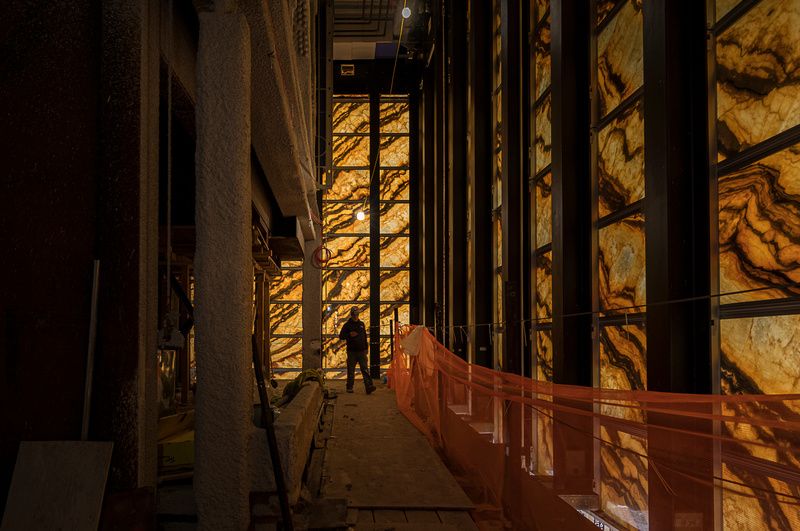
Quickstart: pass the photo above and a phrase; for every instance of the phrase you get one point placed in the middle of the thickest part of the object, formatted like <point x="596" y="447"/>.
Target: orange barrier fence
<point x="567" y="457"/>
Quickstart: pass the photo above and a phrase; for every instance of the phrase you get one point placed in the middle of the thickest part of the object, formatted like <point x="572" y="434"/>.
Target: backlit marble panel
<point x="768" y="506"/>
<point x="335" y="354"/>
<point x="348" y="252"/>
<point x="394" y="151"/>
<point x="286" y="352"/>
<point x="395" y="185"/>
<point x="619" y="57"/>
<point x="623" y="484"/>
<point x="759" y="228"/>
<point x="620" y="161"/>
<point x="341" y="218"/>
<point x="288" y="286"/>
<point x="498" y="241"/>
<point x="345" y="285"/>
<point x="351" y="151"/>
<point x="543" y="144"/>
<point x="541" y="8"/>
<point x="348" y="185"/>
<point x="544" y="285"/>
<point x="335" y="314"/>
<point x="394" y="117"/>
<point x="285" y="318"/>
<point x="621" y="254"/>
<point x="544" y="355"/>
<point x="544" y="210"/>
<point x="350" y="117"/>
<point x="387" y="314"/>
<point x="758" y="76"/>
<point x="724" y="6"/>
<point x="542" y="58"/>
<point x="623" y="366"/>
<point x="604" y="7"/>
<point x="386" y="352"/>
<point x="394" y="218"/>
<point x="395" y="284"/>
<point x="395" y="252"/>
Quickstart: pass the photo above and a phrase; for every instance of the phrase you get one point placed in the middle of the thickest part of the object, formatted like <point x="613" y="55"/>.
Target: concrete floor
<point x="386" y="469"/>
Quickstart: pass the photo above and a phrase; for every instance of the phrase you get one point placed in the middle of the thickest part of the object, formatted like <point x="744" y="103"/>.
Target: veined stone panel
<point x="769" y="508"/>
<point x="604" y="7"/>
<point x="286" y="352"/>
<point x="544" y="210"/>
<point x="622" y="265"/>
<point x="395" y="185"/>
<point x="394" y="218"/>
<point x="724" y="6"/>
<point x="623" y="484"/>
<point x="542" y="58"/>
<point x="395" y="251"/>
<point x="345" y="285"/>
<point x="544" y="285"/>
<point x="541" y="7"/>
<point x="395" y="285"/>
<point x="619" y="57"/>
<point x="288" y="286"/>
<point x="759" y="228"/>
<point x="544" y="355"/>
<point x="335" y="314"/>
<point x="387" y="314"/>
<point x="543" y="143"/>
<point x="350" y="117"/>
<point x="341" y="218"/>
<point x="394" y="117"/>
<point x="620" y="161"/>
<point x="286" y="318"/>
<point x="351" y="151"/>
<point x="623" y="366"/>
<point x="348" y="185"/>
<point x="394" y="151"/>
<point x="335" y="354"/>
<point x="348" y="251"/>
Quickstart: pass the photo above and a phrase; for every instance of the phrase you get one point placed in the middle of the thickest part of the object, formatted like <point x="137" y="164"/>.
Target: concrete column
<point x="224" y="272"/>
<point x="312" y="308"/>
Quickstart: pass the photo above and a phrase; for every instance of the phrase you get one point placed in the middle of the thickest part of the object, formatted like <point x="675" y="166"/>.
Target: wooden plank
<point x="389" y="516"/>
<point x="460" y="519"/>
<point x="58" y="485"/>
<point x="422" y="517"/>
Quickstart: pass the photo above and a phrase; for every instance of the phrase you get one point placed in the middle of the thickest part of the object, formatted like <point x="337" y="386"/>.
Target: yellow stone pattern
<point x="542" y="58"/>
<point x="724" y="6"/>
<point x="620" y="57"/>
<point x="758" y="76"/>
<point x="348" y="252"/>
<point x="623" y="367"/>
<point x="394" y="218"/>
<point x="288" y="286"/>
<point x="394" y="151"/>
<point x="395" y="285"/>
<point x="340" y="218"/>
<point x="621" y="265"/>
<point x="286" y="318"/>
<point x="348" y="185"/>
<point x="604" y="7"/>
<point x="759" y="229"/>
<point x="351" y="117"/>
<point x="620" y="161"/>
<point x="544" y="210"/>
<point x="351" y="151"/>
<point x="543" y="142"/>
<point x="623" y="485"/>
<point x="345" y="285"/>
<point x="394" y="117"/>
<point x="395" y="251"/>
<point x="395" y="185"/>
<point x="286" y="352"/>
<point x="544" y="285"/>
<point x="387" y="314"/>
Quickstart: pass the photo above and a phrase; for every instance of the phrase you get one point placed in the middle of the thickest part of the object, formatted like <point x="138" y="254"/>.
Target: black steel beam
<point x="440" y="136"/>
<point x="415" y="214"/>
<point x="428" y="187"/>
<point x="374" y="235"/>
<point x="480" y="168"/>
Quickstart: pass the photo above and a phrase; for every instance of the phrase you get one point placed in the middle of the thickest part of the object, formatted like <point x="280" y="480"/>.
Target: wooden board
<point x="58" y="485"/>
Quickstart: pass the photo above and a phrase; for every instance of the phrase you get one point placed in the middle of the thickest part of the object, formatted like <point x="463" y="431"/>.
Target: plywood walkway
<point x="387" y="470"/>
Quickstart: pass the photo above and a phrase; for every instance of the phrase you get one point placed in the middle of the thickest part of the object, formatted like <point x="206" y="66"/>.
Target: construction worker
<point x="355" y="333"/>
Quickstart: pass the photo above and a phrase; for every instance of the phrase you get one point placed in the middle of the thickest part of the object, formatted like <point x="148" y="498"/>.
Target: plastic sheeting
<point x="549" y="456"/>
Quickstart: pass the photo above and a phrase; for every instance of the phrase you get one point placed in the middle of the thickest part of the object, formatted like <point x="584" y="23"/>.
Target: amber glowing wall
<point x="757" y="50"/>
<point x="497" y="181"/>
<point x="286" y="320"/>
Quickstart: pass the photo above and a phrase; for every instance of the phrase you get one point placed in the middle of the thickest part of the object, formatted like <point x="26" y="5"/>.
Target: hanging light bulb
<point x="360" y="215"/>
<point x="406" y="12"/>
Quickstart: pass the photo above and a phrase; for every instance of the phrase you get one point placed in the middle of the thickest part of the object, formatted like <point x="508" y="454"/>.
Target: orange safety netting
<point x="549" y="456"/>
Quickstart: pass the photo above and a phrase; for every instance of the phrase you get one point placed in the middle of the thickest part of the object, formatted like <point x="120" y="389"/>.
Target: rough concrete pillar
<point x="224" y="272"/>
<point x="312" y="308"/>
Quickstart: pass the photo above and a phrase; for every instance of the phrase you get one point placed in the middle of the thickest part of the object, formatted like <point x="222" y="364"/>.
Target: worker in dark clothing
<point x="355" y="333"/>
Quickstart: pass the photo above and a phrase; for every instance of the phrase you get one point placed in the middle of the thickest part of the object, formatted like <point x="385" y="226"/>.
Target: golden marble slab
<point x="334" y="353"/>
<point x="759" y="228"/>
<point x="394" y="218"/>
<point x="348" y="251"/>
<point x="288" y="286"/>
<point x="394" y="151"/>
<point x="623" y="484"/>
<point x="744" y="508"/>
<point x="543" y="142"/>
<point x="544" y="285"/>
<point x="334" y="316"/>
<point x="348" y="185"/>
<point x="387" y="314"/>
<point x="394" y="117"/>
<point x="341" y="218"/>
<point x="351" y="117"/>
<point x="621" y="248"/>
<point x="395" y="185"/>
<point x="758" y="76"/>
<point x="620" y="57"/>
<point x="286" y="352"/>
<point x="544" y="355"/>
<point x="286" y="318"/>
<point x="544" y="210"/>
<point x="395" y="285"/>
<point x="498" y="241"/>
<point x="620" y="160"/>
<point x="345" y="285"/>
<point x="351" y="151"/>
<point x="623" y="366"/>
<point x="724" y="6"/>
<point x="604" y="7"/>
<point x="540" y="8"/>
<point x="395" y="251"/>
<point x="542" y="58"/>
